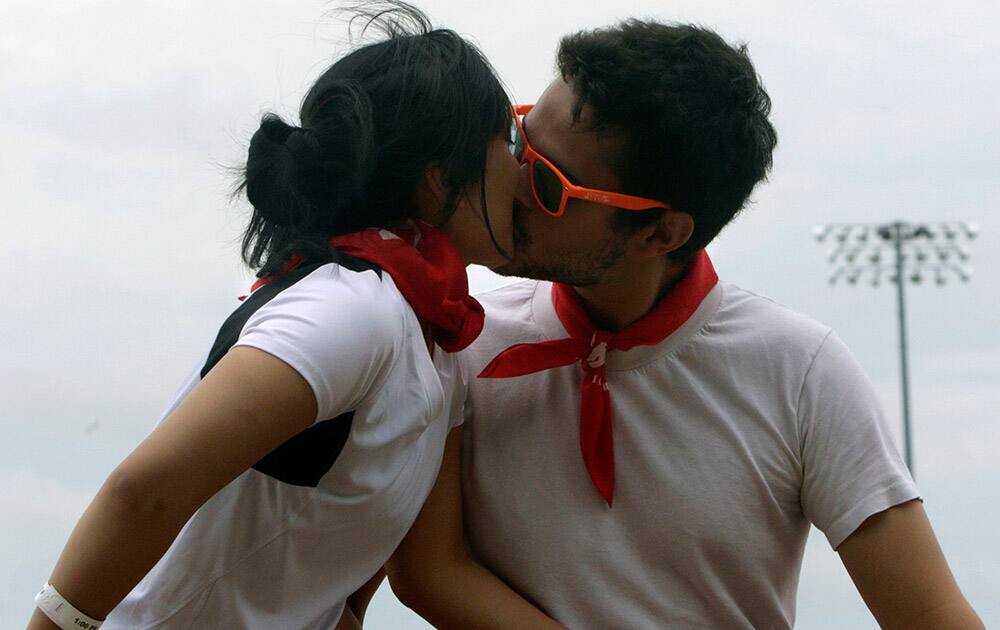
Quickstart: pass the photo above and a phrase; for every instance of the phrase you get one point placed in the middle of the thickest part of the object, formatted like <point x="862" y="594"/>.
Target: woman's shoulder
<point x="331" y="305"/>
<point x="337" y="291"/>
<point x="340" y="328"/>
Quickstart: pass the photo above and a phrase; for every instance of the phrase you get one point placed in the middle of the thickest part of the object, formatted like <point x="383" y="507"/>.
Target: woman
<point x="302" y="447"/>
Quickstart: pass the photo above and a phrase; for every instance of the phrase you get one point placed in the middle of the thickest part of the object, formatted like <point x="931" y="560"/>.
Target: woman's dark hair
<point x="370" y="126"/>
<point x="692" y="111"/>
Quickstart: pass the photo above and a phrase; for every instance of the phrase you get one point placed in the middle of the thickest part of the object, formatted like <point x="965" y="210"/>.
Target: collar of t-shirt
<point x="589" y="345"/>
<point x="428" y="270"/>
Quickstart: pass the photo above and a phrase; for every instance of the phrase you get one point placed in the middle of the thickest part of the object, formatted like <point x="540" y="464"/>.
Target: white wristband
<point x="61" y="612"/>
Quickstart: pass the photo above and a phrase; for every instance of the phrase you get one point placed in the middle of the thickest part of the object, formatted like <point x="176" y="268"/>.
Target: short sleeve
<point x="338" y="328"/>
<point x="851" y="467"/>
<point x="453" y="383"/>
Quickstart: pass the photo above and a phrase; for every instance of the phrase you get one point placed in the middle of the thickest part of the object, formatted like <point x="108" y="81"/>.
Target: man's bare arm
<point x="901" y="573"/>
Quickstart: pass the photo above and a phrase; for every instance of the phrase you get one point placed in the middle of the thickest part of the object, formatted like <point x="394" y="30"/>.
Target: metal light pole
<point x="917" y="249"/>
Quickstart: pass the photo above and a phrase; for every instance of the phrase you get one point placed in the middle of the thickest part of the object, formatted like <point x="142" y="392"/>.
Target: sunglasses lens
<point x="547" y="186"/>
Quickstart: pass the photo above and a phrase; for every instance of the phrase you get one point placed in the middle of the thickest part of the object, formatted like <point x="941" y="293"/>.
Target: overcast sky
<point x="119" y="257"/>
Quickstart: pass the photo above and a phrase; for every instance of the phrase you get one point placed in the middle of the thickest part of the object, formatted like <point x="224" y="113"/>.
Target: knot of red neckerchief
<point x="458" y="322"/>
<point x="589" y="346"/>
<point x="428" y="270"/>
<point x="594" y="362"/>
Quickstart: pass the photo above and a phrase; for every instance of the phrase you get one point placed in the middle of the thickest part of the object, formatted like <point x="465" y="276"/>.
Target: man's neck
<point x="626" y="295"/>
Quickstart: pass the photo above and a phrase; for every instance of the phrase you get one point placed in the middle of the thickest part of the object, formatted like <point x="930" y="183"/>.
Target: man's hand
<point x="901" y="573"/>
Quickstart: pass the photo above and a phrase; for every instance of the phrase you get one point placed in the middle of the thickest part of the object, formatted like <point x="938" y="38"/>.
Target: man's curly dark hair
<point x="692" y="111"/>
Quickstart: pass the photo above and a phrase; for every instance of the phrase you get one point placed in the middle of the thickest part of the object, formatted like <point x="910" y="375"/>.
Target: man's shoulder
<point x="510" y="306"/>
<point x="745" y="313"/>
<point x="509" y="320"/>
<point x="513" y="294"/>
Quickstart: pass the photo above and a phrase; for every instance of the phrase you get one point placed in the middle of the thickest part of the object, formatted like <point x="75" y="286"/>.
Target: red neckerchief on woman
<point x="589" y="346"/>
<point x="428" y="270"/>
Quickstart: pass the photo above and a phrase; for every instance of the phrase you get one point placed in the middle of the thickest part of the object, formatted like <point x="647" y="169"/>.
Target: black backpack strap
<point x="303" y="459"/>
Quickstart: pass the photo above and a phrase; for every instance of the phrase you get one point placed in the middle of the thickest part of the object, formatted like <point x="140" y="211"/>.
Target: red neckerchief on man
<point x="428" y="270"/>
<point x="589" y="346"/>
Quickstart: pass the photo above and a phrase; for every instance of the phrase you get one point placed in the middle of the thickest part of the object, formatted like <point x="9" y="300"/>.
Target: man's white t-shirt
<point x="731" y="436"/>
<point x="286" y="542"/>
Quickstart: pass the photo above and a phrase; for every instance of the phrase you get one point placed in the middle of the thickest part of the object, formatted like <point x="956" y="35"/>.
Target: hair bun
<point x="274" y="129"/>
<point x="279" y="155"/>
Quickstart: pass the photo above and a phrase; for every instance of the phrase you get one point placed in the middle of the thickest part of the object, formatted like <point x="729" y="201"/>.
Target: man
<point x="645" y="446"/>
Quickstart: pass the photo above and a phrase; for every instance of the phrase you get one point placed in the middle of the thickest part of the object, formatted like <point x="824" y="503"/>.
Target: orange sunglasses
<point x="551" y="189"/>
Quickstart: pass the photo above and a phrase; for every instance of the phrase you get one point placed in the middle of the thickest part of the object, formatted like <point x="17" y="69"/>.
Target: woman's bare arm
<point x="432" y="572"/>
<point x="247" y="405"/>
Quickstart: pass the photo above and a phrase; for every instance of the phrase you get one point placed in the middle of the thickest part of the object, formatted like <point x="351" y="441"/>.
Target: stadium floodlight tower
<point x="899" y="252"/>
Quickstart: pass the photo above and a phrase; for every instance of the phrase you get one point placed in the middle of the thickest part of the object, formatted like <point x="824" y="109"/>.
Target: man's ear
<point x="669" y="233"/>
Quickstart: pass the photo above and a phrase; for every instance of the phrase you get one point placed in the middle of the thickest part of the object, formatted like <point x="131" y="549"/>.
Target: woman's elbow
<point x="415" y="584"/>
<point x="135" y="493"/>
<point x="404" y="582"/>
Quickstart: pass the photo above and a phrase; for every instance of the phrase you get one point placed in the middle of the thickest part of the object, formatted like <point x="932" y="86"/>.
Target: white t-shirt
<point x="286" y="542"/>
<point x="731" y="436"/>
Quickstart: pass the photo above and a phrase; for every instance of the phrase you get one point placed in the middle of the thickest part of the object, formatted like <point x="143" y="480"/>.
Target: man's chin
<point x="511" y="268"/>
<point x="520" y="269"/>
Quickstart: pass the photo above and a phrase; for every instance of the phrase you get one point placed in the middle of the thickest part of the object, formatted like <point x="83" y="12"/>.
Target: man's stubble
<point x="577" y="268"/>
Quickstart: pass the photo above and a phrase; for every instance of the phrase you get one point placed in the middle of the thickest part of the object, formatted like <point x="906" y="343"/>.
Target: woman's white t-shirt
<point x="285" y="543"/>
